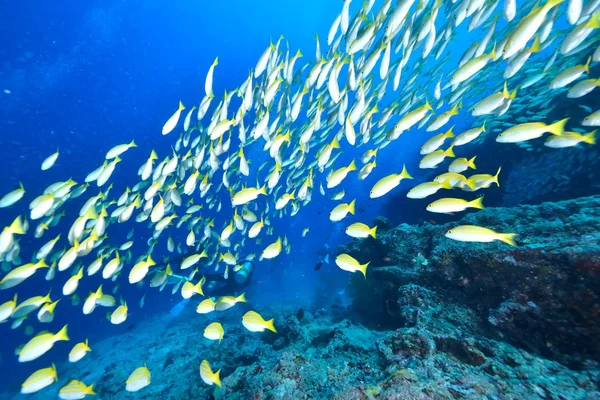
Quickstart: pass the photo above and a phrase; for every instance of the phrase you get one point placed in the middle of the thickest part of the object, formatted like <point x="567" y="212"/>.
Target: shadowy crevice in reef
<point x="542" y="296"/>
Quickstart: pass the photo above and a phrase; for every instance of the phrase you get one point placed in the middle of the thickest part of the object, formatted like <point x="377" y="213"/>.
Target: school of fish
<point x="363" y="91"/>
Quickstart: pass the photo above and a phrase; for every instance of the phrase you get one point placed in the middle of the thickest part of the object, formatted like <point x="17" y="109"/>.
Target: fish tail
<point x="587" y="64"/>
<point x="132" y="144"/>
<point x="594" y="22"/>
<point x="508" y="238"/>
<point x="552" y="3"/>
<point x="471" y="162"/>
<point x="373" y="232"/>
<point x="428" y="106"/>
<point x="17" y="226"/>
<point x="472" y="184"/>
<point x="217" y="378"/>
<point x="495" y="180"/>
<point x="493" y="52"/>
<point x="335" y="144"/>
<point x="351" y="206"/>
<point x="241" y="298"/>
<point x="558" y="128"/>
<point x="505" y="92"/>
<point x="269" y="325"/>
<point x="181" y="107"/>
<point x="477" y="203"/>
<point x="404" y="174"/>
<point x="590" y="138"/>
<point x="90" y="390"/>
<point x="352" y="166"/>
<point x="263" y="190"/>
<point x="449" y="134"/>
<point x="363" y="269"/>
<point x="446" y="184"/>
<point x="62" y="334"/>
<point x="216" y="62"/>
<point x="449" y="152"/>
<point x="483" y="127"/>
<point x="537" y="46"/>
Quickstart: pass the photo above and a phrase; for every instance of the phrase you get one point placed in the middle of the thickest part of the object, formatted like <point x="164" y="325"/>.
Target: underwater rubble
<point x="542" y="295"/>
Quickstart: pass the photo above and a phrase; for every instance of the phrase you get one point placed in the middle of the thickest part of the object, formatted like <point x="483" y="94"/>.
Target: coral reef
<point x="543" y="295"/>
<point x="323" y="355"/>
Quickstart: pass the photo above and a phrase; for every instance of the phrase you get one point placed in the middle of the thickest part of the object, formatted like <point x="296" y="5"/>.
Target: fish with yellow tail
<point x="350" y="264"/>
<point x="172" y="121"/>
<point x="427" y="189"/>
<point x="18" y="275"/>
<point x="208" y="376"/>
<point x="360" y="230"/>
<point x="272" y="250"/>
<point x="139" y="379"/>
<point x="39" y="380"/>
<point x="189" y="289"/>
<point x="79" y="351"/>
<point x="206" y="306"/>
<point x="462" y="164"/>
<point x="255" y="323"/>
<point x="41" y="344"/>
<point x="472" y="233"/>
<point x="531" y="130"/>
<point x="75" y="390"/>
<point x="7" y="308"/>
<point x="247" y="195"/>
<point x="341" y="210"/>
<point x="434" y="158"/>
<point x="226" y="302"/>
<point x="450" y="205"/>
<point x="140" y="270"/>
<point x="570" y="139"/>
<point x="11" y="198"/>
<point x="385" y="185"/>
<point x="214" y="331"/>
<point x="339" y="175"/>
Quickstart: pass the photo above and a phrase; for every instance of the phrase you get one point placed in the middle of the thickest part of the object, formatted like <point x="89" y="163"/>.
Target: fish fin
<point x="508" y="238"/>
<point x="241" y="298"/>
<point x="326" y="260"/>
<point x="181" y="107"/>
<point x="269" y="325"/>
<point x="404" y="174"/>
<point x="352" y="166"/>
<point x="477" y="203"/>
<point x="373" y="232"/>
<point x="351" y="206"/>
<point x="495" y="180"/>
<point x="558" y="128"/>
<point x="471" y="162"/>
<point x="17" y="226"/>
<point x="62" y="334"/>
<point x="363" y="269"/>
<point x="217" y="378"/>
<point x="590" y="138"/>
<point x="449" y="152"/>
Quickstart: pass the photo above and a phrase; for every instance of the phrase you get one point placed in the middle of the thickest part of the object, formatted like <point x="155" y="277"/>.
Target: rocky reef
<point x="434" y="319"/>
<point x="542" y="295"/>
<point x="325" y="354"/>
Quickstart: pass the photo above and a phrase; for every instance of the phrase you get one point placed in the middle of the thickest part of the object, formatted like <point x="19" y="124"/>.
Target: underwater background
<point x="432" y="319"/>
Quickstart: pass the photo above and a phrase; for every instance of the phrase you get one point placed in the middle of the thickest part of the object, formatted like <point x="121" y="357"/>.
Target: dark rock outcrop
<point x="542" y="295"/>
